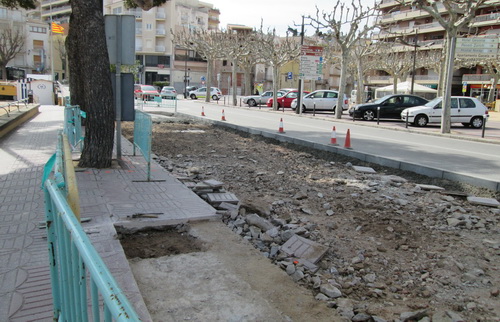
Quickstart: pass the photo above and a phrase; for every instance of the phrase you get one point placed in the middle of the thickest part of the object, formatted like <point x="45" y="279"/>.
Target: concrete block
<point x="490" y="202"/>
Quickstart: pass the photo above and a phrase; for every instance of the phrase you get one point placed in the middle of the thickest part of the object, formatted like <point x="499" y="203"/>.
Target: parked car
<point x="321" y="100"/>
<point x="191" y="88"/>
<point x="286" y="99"/>
<point x="466" y="110"/>
<point x="168" y="92"/>
<point x="390" y="106"/>
<point x="201" y="92"/>
<point x="262" y="99"/>
<point x="146" y="92"/>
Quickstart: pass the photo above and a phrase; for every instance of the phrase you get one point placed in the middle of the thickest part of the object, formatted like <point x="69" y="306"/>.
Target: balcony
<point x="160" y="15"/>
<point x="411" y="14"/>
<point x="138" y="31"/>
<point x="138" y="48"/>
<point x="160" y="49"/>
<point x="136" y="13"/>
<point x="486" y="20"/>
<point x="476" y="78"/>
<point x="161" y="32"/>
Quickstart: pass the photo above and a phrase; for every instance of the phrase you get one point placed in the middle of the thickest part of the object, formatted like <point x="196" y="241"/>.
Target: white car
<point x="466" y="110"/>
<point x="262" y="99"/>
<point x="321" y="100"/>
<point x="201" y="92"/>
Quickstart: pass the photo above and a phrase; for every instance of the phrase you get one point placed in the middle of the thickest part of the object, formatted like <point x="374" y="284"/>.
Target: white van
<point x="466" y="110"/>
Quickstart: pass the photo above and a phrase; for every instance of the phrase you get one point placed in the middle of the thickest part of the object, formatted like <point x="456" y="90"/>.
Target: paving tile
<point x="304" y="248"/>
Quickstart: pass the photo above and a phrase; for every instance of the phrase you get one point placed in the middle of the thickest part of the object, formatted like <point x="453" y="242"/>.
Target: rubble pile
<point x="373" y="245"/>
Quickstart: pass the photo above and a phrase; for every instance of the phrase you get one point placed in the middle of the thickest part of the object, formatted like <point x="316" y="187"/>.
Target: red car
<point x="286" y="100"/>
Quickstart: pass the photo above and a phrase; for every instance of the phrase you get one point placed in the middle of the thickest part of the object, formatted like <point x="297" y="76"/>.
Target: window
<point x="41" y="30"/>
<point x="467" y="103"/>
<point x="153" y="60"/>
<point x="318" y="95"/>
<point x="149" y="26"/>
<point x="332" y="95"/>
<point x="454" y="103"/>
<point x="37" y="44"/>
<point x="117" y="11"/>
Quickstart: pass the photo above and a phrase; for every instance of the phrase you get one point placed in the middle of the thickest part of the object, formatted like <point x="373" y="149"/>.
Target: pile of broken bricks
<point x="275" y="238"/>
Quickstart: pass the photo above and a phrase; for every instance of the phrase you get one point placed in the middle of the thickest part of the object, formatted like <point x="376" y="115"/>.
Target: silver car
<point x="262" y="99"/>
<point x="168" y="92"/>
<point x="320" y="100"/>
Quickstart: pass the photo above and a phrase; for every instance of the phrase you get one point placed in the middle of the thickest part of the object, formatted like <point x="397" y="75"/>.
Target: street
<point x="462" y="153"/>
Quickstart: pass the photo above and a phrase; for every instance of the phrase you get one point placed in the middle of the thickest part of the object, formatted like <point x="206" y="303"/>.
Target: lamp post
<point x="298" y="110"/>
<point x="185" y="74"/>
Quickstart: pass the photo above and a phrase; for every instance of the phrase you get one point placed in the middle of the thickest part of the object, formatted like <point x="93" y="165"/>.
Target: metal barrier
<point x="7" y="106"/>
<point x="152" y="100"/>
<point x="73" y="125"/>
<point x="82" y="286"/>
<point x="143" y="128"/>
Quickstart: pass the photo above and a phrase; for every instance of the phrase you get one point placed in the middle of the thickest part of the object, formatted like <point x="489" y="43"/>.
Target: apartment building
<point x="34" y="57"/>
<point x="159" y="60"/>
<point x="410" y="25"/>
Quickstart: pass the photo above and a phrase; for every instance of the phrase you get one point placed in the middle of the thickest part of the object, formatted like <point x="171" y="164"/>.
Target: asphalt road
<point x="463" y="152"/>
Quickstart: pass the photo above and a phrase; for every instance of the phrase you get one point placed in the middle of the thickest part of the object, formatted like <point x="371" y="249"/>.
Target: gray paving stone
<point x="363" y="169"/>
<point x="217" y="198"/>
<point x="304" y="248"/>
<point x="490" y="202"/>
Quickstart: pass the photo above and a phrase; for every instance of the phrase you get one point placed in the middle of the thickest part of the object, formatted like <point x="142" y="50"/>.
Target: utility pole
<point x="298" y="109"/>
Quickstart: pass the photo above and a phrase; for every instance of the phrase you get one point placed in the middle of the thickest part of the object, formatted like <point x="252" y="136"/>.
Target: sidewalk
<point x="108" y="196"/>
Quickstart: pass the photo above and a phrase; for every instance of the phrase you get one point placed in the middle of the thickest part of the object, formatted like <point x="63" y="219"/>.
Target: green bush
<point x="161" y="84"/>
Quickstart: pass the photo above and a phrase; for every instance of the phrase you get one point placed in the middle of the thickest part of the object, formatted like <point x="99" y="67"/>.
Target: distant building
<point x="418" y="27"/>
<point x="159" y="60"/>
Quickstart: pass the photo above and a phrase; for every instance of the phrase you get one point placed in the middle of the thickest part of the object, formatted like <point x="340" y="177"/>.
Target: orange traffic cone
<point x="333" y="139"/>
<point x="223" y="116"/>
<point x="281" y="129"/>
<point x="347" y="144"/>
<point x="202" y="111"/>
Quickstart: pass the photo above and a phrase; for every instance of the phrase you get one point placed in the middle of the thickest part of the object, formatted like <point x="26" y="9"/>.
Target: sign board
<point x="289" y="75"/>
<point x="311" y="62"/>
<point x="464" y="87"/>
<point x="203" y="78"/>
<point x="476" y="47"/>
<point x="120" y="38"/>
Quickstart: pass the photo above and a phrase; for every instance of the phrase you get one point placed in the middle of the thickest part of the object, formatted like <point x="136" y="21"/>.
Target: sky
<point x="277" y="14"/>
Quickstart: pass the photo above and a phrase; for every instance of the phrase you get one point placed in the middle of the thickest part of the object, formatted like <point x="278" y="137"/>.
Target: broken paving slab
<point x="214" y="183"/>
<point x="363" y="169"/>
<point x="218" y="198"/>
<point x="490" y="202"/>
<point x="429" y="187"/>
<point x="304" y="248"/>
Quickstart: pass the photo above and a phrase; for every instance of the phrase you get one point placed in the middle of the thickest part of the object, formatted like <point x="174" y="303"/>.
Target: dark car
<point x="390" y="106"/>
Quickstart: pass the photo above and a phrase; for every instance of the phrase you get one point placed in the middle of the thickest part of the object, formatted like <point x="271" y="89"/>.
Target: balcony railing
<point x="160" y="48"/>
<point x="138" y="31"/>
<point x="160" y="15"/>
<point x="476" y="78"/>
<point x="138" y="48"/>
<point x="488" y="17"/>
<point x="160" y="32"/>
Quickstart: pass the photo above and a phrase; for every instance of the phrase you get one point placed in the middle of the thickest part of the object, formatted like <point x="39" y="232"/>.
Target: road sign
<point x="203" y="78"/>
<point x="311" y="62"/>
<point x="464" y="87"/>
<point x="289" y="75"/>
<point x="477" y="47"/>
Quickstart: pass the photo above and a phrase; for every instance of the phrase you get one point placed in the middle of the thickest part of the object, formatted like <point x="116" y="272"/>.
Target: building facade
<point x="411" y="29"/>
<point x="157" y="57"/>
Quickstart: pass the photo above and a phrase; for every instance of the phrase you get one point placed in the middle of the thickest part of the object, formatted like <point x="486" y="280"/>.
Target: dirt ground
<point x="393" y="247"/>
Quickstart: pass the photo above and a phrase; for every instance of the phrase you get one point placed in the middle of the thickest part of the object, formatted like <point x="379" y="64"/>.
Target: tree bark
<point x="90" y="81"/>
<point x="343" y="77"/>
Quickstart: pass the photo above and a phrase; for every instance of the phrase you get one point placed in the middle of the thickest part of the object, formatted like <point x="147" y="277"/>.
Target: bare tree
<point x="459" y="15"/>
<point x="359" y="64"/>
<point x="235" y="47"/>
<point x="277" y="52"/>
<point x="250" y="59"/>
<point x="11" y="44"/>
<point x="63" y="55"/>
<point x="345" y="25"/>
<point x="208" y="44"/>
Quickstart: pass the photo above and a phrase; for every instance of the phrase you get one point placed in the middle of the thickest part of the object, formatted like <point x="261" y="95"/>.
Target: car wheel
<point x="304" y="109"/>
<point x="252" y="102"/>
<point x="421" y="120"/>
<point x="476" y="122"/>
<point x="466" y="124"/>
<point x="334" y="109"/>
<point x="193" y="97"/>
<point x="215" y="97"/>
<point x="369" y="115"/>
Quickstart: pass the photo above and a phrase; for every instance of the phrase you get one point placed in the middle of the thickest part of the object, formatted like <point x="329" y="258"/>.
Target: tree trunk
<point x="210" y="63"/>
<point x="491" y="95"/>
<point x="90" y="81"/>
<point x="234" y="77"/>
<point x="448" y="78"/>
<point x="275" y="87"/>
<point x="360" y="92"/>
<point x="343" y="76"/>
<point x="4" y="72"/>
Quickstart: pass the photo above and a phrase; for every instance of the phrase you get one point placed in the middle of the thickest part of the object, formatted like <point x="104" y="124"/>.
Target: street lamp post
<point x="185" y="74"/>
<point x="298" y="110"/>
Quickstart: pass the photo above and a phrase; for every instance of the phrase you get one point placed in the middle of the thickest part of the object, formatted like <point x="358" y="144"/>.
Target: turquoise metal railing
<point x="143" y="127"/>
<point x="83" y="289"/>
<point x="73" y="125"/>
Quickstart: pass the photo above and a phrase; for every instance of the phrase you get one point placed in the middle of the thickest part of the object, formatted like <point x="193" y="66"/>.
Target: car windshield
<point x="148" y="88"/>
<point x="434" y="102"/>
<point x="380" y="100"/>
